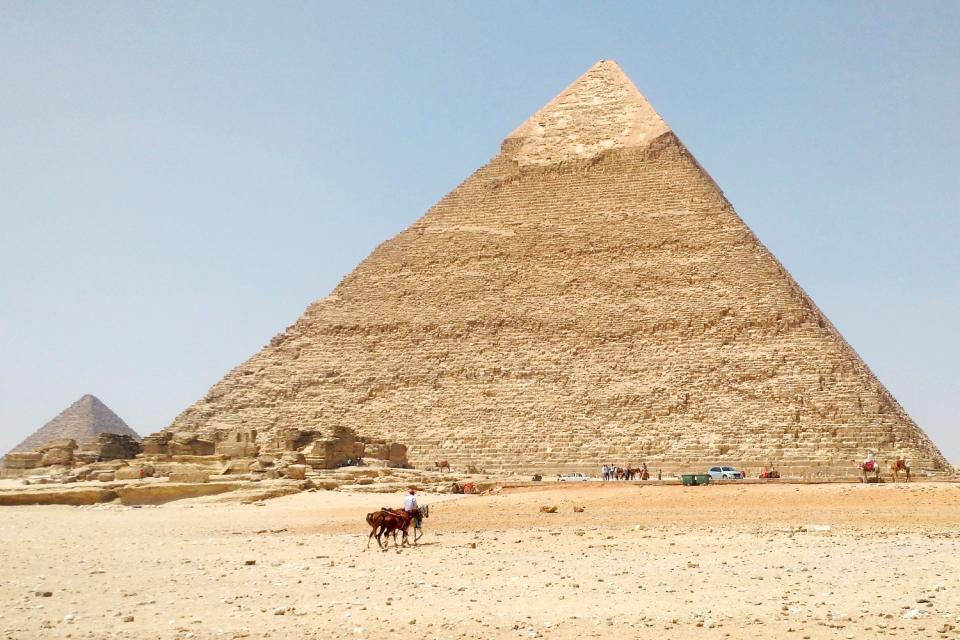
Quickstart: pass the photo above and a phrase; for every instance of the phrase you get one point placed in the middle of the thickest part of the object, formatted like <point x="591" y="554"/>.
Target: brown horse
<point x="443" y="464"/>
<point x="865" y="469"/>
<point x="385" y="522"/>
<point x="375" y="521"/>
<point x="898" y="465"/>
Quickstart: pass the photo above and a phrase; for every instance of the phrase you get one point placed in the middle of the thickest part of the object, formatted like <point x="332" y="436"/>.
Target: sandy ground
<point x="784" y="561"/>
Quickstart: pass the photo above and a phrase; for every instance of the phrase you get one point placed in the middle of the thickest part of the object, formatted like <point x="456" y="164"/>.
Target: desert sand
<point x="784" y="561"/>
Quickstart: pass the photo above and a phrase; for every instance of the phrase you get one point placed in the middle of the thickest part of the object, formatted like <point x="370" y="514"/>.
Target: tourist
<point x="411" y="507"/>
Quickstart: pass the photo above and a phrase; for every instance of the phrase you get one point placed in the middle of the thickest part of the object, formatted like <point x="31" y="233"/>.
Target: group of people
<point x="613" y="472"/>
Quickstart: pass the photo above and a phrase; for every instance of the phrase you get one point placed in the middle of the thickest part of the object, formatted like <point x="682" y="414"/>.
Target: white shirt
<point x="410" y="503"/>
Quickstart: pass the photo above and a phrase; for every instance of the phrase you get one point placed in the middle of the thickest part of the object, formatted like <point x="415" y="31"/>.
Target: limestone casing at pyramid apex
<point x="600" y="111"/>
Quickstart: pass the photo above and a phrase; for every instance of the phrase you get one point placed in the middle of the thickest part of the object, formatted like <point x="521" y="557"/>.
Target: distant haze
<point x="179" y="181"/>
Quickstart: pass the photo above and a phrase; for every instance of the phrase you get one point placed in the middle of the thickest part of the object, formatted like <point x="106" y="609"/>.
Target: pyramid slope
<point x="81" y="421"/>
<point x="573" y="305"/>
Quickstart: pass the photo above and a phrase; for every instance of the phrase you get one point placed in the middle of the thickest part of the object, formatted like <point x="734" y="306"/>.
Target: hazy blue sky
<point x="179" y="180"/>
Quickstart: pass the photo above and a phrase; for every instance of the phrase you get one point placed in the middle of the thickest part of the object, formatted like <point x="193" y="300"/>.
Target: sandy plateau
<point x="771" y="561"/>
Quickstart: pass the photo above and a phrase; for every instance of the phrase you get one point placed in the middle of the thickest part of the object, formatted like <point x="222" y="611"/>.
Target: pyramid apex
<point x="601" y="110"/>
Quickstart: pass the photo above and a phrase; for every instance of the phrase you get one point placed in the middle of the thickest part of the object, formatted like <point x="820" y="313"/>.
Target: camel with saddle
<point x="898" y="466"/>
<point x="870" y="465"/>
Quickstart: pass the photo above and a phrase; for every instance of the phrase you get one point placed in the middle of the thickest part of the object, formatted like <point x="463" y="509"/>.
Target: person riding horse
<point x="412" y="509"/>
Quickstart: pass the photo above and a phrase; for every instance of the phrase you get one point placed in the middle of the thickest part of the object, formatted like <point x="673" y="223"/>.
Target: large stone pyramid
<point x="589" y="295"/>
<point x="81" y="421"/>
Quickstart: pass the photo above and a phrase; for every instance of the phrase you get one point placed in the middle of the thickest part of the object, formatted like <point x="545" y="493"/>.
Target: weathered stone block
<point x="398" y="454"/>
<point x="22" y="460"/>
<point x="238" y="449"/>
<point x="109" y="446"/>
<point x="189" y="476"/>
<point x="194" y="447"/>
<point x="56" y="456"/>
<point x="135" y="472"/>
<point x="296" y="472"/>
<point x="294" y="457"/>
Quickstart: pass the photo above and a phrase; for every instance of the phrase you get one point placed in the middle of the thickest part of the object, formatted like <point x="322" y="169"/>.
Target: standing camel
<point x="898" y="465"/>
<point x="870" y="466"/>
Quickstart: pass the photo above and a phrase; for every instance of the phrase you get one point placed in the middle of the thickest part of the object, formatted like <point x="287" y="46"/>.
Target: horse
<point x="403" y="525"/>
<point x="443" y="464"/>
<point x="897" y="466"/>
<point x="385" y="522"/>
<point x="418" y="517"/>
<point x="870" y="466"/>
<point x="375" y="521"/>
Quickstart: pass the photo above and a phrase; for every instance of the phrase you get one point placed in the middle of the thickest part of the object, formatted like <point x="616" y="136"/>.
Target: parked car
<point x="725" y="473"/>
<point x="576" y="476"/>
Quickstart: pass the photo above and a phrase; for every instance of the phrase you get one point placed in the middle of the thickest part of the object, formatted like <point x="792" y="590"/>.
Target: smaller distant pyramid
<point x="83" y="420"/>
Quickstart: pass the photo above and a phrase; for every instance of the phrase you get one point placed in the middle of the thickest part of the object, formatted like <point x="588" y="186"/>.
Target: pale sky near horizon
<point x="178" y="181"/>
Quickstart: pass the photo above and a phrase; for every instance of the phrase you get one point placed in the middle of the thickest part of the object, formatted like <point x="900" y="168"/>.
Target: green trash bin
<point x="689" y="479"/>
<point x="703" y="478"/>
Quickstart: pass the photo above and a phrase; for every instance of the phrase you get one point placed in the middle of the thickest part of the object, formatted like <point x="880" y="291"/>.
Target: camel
<point x="442" y="464"/>
<point x="898" y="465"/>
<point x="870" y="466"/>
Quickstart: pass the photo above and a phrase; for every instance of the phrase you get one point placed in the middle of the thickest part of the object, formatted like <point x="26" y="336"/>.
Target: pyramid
<point x="81" y="421"/>
<point x="587" y="296"/>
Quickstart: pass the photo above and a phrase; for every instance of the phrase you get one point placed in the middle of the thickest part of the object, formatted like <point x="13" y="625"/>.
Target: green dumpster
<point x="689" y="479"/>
<point x="703" y="478"/>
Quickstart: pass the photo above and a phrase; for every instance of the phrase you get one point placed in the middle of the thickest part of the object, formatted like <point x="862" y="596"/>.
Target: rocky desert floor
<point x="724" y="561"/>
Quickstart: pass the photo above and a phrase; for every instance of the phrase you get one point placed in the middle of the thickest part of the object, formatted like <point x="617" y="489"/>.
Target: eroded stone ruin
<point x="315" y="448"/>
<point x="589" y="295"/>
